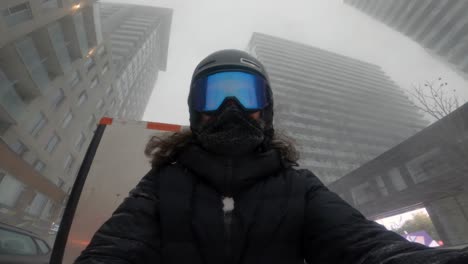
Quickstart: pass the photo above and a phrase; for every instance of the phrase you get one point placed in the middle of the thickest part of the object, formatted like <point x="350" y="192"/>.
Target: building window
<point x="45" y="215"/>
<point x="52" y="144"/>
<point x="78" y="21"/>
<point x="67" y="119"/>
<point x="101" y="51"/>
<point x="105" y="69"/>
<point x="39" y="166"/>
<point x="18" y="147"/>
<point x="82" y="98"/>
<point x="38" y="123"/>
<point x="80" y="141"/>
<point x="118" y="85"/>
<point x="68" y="164"/>
<point x="57" y="38"/>
<point x="34" y="63"/>
<point x="94" y="83"/>
<point x="100" y="104"/>
<point x="381" y="185"/>
<point x="17" y="14"/>
<point x="363" y="193"/>
<point x="112" y="103"/>
<point x="10" y="189"/>
<point x="37" y="204"/>
<point x="49" y="4"/>
<point x="60" y="183"/>
<point x="57" y="98"/>
<point x="74" y="79"/>
<point x="109" y="90"/>
<point x="10" y="99"/>
<point x="91" y="122"/>
<point x="397" y="179"/>
<point x="89" y="64"/>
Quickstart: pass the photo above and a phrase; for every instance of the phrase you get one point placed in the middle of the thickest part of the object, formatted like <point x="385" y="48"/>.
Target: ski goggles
<point x="249" y="90"/>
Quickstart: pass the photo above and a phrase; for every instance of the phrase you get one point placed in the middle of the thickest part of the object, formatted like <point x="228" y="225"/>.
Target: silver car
<point x="21" y="246"/>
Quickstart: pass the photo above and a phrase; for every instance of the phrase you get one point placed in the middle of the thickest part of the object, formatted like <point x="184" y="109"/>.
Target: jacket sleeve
<point x="335" y="233"/>
<point x="132" y="234"/>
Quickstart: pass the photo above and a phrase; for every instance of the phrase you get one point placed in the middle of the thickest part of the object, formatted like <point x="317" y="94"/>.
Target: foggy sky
<point x="204" y="26"/>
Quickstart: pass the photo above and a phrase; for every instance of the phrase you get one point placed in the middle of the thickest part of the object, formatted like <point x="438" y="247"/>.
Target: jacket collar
<point x="230" y="175"/>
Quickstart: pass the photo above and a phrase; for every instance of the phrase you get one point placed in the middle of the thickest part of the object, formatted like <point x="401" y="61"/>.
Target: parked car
<point x="21" y="246"/>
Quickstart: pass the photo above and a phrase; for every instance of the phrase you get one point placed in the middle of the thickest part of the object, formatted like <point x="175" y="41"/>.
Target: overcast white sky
<point x="203" y="26"/>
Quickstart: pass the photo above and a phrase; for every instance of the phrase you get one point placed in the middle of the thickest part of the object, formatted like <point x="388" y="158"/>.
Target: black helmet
<point x="230" y="59"/>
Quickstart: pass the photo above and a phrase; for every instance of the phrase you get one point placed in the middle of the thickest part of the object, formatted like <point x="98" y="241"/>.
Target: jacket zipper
<point x="228" y="215"/>
<point x="228" y="181"/>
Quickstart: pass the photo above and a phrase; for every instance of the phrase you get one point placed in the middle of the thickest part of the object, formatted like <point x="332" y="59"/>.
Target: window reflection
<point x="37" y="124"/>
<point x="67" y="119"/>
<point x="10" y="188"/>
<point x="17" y="14"/>
<point x="54" y="140"/>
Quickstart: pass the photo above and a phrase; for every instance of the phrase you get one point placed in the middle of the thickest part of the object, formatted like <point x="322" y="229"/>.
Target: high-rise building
<point x="54" y="80"/>
<point x="440" y="26"/>
<point x="140" y="38"/>
<point x="342" y="112"/>
<point x="63" y="67"/>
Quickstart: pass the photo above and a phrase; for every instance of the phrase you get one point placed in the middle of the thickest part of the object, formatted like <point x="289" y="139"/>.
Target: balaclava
<point x="230" y="130"/>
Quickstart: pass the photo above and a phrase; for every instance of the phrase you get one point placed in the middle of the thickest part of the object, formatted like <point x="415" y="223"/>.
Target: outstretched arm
<point x="335" y="232"/>
<point x="132" y="234"/>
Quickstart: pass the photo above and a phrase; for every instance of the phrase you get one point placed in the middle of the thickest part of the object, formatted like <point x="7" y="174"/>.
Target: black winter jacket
<point x="281" y="215"/>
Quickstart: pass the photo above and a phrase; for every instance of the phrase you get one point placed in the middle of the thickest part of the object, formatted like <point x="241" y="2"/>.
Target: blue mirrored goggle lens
<point x="211" y="91"/>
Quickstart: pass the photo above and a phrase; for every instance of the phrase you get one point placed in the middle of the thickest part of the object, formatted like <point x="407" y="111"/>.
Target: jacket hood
<point x="230" y="175"/>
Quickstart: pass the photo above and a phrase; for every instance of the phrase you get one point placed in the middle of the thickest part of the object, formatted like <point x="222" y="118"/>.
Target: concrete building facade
<point x="440" y="26"/>
<point x="53" y="88"/>
<point x="426" y="170"/>
<point x="63" y="65"/>
<point x="140" y="38"/>
<point x="341" y="112"/>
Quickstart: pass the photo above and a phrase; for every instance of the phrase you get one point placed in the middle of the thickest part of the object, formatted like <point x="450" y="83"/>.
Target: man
<point x="227" y="191"/>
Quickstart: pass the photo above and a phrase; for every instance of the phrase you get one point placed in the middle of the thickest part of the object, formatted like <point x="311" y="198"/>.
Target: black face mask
<point x="232" y="133"/>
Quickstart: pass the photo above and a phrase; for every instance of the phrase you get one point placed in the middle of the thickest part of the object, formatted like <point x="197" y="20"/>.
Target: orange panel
<point x="162" y="126"/>
<point x="106" y="121"/>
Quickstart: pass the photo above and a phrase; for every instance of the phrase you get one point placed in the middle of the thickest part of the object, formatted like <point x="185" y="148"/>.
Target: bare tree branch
<point x="422" y="99"/>
<point x="434" y="99"/>
<point x="437" y="96"/>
